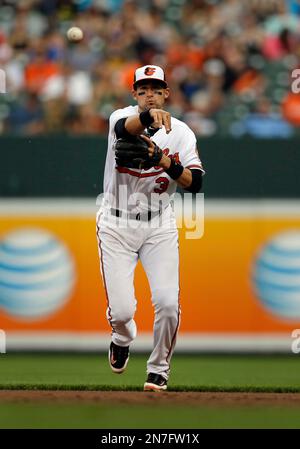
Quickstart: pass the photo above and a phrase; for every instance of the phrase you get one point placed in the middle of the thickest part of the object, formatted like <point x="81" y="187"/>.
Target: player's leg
<point x="117" y="264"/>
<point x="159" y="256"/>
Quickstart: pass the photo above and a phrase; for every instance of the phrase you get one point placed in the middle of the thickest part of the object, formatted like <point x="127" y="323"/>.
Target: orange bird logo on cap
<point x="149" y="71"/>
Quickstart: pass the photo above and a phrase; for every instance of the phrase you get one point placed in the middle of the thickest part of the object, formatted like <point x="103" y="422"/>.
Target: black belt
<point x="136" y="216"/>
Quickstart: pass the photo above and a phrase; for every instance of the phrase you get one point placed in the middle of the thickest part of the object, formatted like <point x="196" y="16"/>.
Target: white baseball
<point x="75" y="34"/>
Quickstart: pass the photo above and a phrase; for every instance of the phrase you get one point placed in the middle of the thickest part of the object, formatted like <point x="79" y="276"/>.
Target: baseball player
<point x="149" y="153"/>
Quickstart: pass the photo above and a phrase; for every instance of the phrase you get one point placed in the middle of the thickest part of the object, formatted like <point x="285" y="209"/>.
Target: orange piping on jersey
<point x="104" y="280"/>
<point x="173" y="341"/>
<point x="194" y="166"/>
<point x="137" y="174"/>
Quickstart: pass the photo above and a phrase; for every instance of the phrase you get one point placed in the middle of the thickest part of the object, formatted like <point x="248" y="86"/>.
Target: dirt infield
<point x="149" y="398"/>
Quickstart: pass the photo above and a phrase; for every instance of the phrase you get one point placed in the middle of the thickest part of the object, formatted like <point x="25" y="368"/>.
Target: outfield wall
<point x="240" y="287"/>
<point x="239" y="282"/>
<point x="73" y="167"/>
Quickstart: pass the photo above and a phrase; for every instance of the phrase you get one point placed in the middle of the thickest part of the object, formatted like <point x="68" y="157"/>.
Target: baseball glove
<point x="133" y="153"/>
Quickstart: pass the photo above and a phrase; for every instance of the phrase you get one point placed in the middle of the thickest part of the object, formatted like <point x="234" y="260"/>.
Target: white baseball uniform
<point x="127" y="233"/>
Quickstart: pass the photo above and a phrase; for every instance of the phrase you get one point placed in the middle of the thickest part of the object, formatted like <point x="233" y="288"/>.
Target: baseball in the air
<point x="74" y="34"/>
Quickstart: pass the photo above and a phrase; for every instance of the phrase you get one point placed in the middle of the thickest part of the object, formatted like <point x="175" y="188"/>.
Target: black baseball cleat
<point x="118" y="357"/>
<point x="155" y="382"/>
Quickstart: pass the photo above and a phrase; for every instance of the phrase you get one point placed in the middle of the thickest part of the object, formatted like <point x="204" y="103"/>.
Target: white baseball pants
<point x="121" y="244"/>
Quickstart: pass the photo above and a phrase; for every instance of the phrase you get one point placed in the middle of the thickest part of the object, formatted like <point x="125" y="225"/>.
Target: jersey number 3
<point x="163" y="184"/>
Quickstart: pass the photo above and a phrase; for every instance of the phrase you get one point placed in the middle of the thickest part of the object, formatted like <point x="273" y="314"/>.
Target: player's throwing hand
<point x="161" y="118"/>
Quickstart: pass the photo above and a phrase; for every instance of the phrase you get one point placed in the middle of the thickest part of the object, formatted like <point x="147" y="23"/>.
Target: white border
<point x="54" y="207"/>
<point x="186" y="342"/>
<point x="240" y="208"/>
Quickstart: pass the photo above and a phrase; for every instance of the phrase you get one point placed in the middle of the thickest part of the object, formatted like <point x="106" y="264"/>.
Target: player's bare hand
<point x="161" y="118"/>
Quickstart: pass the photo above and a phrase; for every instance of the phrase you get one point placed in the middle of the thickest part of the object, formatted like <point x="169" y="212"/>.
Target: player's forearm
<point x="133" y="125"/>
<point x="151" y="117"/>
<point x="190" y="180"/>
<point x="185" y="179"/>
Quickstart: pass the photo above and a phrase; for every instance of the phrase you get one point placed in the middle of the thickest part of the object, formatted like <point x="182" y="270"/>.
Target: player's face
<point x="150" y="95"/>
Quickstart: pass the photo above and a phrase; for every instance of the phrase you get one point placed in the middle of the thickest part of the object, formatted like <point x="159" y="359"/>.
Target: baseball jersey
<point x="139" y="190"/>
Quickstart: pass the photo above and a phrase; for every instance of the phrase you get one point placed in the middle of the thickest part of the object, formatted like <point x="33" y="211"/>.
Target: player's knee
<point x="166" y="302"/>
<point x="170" y="310"/>
<point x="122" y="315"/>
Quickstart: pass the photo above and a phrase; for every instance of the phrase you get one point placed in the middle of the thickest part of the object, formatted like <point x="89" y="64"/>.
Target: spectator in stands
<point x="262" y="123"/>
<point x="215" y="53"/>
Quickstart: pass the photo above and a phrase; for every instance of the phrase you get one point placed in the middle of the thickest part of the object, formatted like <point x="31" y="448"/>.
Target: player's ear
<point x="133" y="93"/>
<point x="167" y="93"/>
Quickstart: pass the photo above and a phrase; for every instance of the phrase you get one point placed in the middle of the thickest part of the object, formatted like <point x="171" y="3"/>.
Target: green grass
<point x="90" y="416"/>
<point x="188" y="373"/>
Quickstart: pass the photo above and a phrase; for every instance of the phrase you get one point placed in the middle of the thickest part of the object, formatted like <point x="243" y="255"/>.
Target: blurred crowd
<point x="229" y="63"/>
